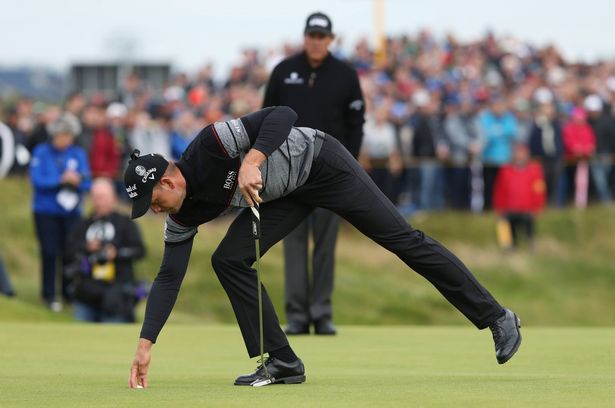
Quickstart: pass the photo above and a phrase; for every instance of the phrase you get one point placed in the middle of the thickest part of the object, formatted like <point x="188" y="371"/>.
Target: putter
<point x="256" y="233"/>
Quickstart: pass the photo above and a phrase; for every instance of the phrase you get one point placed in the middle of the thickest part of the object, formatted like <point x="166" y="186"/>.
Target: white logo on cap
<point x="132" y="191"/>
<point x="319" y="21"/>
<point x="148" y="174"/>
<point x="140" y="170"/>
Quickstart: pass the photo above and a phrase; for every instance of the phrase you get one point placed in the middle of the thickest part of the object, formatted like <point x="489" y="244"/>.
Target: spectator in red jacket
<point x="519" y="195"/>
<point x="104" y="151"/>
<point x="579" y="146"/>
<point x="579" y="138"/>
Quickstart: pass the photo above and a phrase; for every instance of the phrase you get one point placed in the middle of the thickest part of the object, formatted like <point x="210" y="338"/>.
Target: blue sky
<point x="189" y="33"/>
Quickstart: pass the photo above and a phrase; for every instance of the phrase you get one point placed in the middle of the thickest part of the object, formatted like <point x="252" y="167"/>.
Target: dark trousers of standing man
<point x="52" y="232"/>
<point x="337" y="182"/>
<point x="308" y="300"/>
<point x="521" y="223"/>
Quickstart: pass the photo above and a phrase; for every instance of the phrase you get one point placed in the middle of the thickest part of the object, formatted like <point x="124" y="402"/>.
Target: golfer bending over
<point x="289" y="171"/>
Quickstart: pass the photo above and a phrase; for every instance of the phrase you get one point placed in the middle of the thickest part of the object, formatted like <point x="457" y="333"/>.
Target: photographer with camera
<point x="104" y="246"/>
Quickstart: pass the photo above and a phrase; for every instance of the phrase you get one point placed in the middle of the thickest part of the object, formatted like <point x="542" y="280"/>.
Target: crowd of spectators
<point x="458" y="109"/>
<point x="442" y="117"/>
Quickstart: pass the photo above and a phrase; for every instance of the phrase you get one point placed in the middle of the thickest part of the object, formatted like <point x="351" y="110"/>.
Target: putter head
<point x="262" y="382"/>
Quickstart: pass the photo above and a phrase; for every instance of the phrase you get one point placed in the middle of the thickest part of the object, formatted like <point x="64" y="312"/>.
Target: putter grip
<point x="256" y="221"/>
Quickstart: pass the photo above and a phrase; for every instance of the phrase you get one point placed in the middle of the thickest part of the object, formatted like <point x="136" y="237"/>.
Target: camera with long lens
<point x="99" y="257"/>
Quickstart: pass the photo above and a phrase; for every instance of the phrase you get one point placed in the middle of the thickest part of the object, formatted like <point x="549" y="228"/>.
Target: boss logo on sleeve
<point x="230" y="179"/>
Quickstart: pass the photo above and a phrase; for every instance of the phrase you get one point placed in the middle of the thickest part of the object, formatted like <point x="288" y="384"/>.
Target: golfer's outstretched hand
<point x="249" y="178"/>
<point x="140" y="364"/>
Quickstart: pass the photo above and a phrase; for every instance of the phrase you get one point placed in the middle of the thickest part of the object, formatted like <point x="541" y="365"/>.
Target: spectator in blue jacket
<point x="185" y="128"/>
<point x="60" y="175"/>
<point x="499" y="130"/>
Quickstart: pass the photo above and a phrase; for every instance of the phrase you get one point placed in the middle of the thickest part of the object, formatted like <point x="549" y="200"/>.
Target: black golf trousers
<point x="337" y="182"/>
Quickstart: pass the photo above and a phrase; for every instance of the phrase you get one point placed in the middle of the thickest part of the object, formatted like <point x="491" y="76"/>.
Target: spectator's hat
<point x="593" y="103"/>
<point x="421" y="98"/>
<point x="65" y="124"/>
<point x="140" y="178"/>
<point x="116" y="110"/>
<point x="319" y="23"/>
<point x="543" y="95"/>
<point x="174" y="94"/>
<point x="158" y="111"/>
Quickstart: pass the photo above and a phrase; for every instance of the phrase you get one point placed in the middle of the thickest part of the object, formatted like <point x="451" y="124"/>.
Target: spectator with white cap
<point x="604" y="130"/>
<point x="543" y="95"/>
<point x="429" y="148"/>
<point x="60" y="174"/>
<point x="379" y="154"/>
<point x="546" y="144"/>
<point x="151" y="132"/>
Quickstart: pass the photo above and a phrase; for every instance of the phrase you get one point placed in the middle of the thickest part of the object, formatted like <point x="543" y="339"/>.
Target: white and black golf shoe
<point x="279" y="372"/>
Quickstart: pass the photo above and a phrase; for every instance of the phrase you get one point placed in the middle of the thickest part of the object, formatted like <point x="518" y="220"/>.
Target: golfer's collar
<point x="189" y="182"/>
<point x="324" y="61"/>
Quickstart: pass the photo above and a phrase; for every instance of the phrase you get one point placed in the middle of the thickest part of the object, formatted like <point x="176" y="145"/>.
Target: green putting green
<point x="76" y="365"/>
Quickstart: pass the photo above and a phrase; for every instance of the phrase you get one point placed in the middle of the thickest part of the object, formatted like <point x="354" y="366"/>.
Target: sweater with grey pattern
<point x="290" y="152"/>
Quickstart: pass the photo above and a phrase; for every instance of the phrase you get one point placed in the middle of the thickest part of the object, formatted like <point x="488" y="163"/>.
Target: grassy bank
<point x="567" y="280"/>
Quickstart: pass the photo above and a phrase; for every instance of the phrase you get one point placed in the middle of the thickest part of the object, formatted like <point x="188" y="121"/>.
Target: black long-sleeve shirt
<point x="327" y="98"/>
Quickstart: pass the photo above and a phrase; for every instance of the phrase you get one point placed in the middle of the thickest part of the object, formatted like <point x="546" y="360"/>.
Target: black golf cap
<point x="140" y="178"/>
<point x="319" y="23"/>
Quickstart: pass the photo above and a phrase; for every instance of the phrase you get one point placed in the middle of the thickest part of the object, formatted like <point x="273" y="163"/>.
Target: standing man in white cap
<point x="603" y="125"/>
<point x="326" y="95"/>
